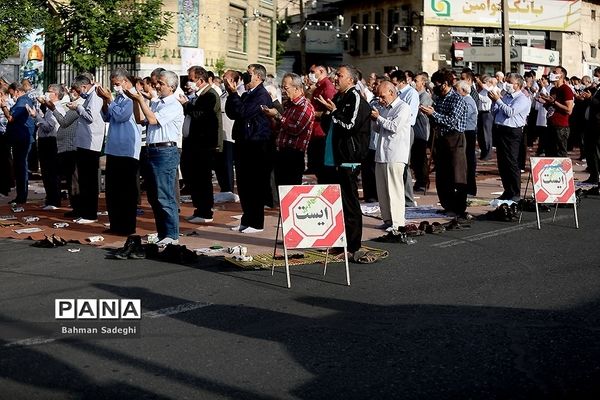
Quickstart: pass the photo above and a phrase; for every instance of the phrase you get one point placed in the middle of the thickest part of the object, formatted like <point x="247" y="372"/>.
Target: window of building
<point x="265" y="38"/>
<point x="393" y="19"/>
<point x="377" y="34"/>
<point x="351" y="44"/>
<point x="237" y="29"/>
<point x="593" y="15"/>
<point x="366" y="31"/>
<point x="405" y="33"/>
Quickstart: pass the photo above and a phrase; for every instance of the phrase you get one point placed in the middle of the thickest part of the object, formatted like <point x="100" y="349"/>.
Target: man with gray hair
<point x="295" y="126"/>
<point x="253" y="145"/>
<point x="164" y="119"/>
<point x="89" y="138"/>
<point x="510" y="116"/>
<point x="464" y="88"/>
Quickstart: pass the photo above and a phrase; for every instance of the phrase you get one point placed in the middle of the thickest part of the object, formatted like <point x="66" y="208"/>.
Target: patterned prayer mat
<point x="306" y="257"/>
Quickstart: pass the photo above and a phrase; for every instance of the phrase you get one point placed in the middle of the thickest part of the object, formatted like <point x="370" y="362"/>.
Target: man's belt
<point x="162" y="144"/>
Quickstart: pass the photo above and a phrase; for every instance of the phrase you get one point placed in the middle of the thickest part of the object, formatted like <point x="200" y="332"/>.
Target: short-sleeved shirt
<point x="169" y="114"/>
<point x="562" y="94"/>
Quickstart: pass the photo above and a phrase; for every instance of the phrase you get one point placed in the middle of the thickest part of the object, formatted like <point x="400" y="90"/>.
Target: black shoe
<point x="124" y="252"/>
<point x="138" y="252"/>
<point x="72" y="214"/>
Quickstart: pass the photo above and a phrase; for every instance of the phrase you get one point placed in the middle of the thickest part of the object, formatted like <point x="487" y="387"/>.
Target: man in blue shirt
<point x="122" y="154"/>
<point x="463" y="87"/>
<point x="19" y="132"/>
<point x="510" y="116"/>
<point x="164" y="118"/>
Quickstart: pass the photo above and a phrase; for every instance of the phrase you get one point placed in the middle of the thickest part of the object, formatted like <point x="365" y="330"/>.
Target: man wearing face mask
<point x="19" y="131"/>
<point x="510" y="116"/>
<point x="47" y="148"/>
<point x="89" y="138"/>
<point x="316" y="147"/>
<point x="202" y="143"/>
<point x="450" y="115"/>
<point x="253" y="145"/>
<point x="122" y="154"/>
<point x="65" y="140"/>
<point x="561" y="99"/>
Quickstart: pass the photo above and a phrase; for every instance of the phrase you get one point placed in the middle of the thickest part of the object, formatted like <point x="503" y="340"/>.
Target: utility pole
<point x="302" y="40"/>
<point x="505" y="38"/>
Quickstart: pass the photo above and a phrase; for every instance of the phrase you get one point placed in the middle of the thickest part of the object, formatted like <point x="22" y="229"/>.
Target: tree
<point x="87" y="32"/>
<point x="17" y="20"/>
<point x="282" y="37"/>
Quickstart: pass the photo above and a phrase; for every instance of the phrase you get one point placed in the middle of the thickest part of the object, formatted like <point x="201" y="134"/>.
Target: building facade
<point x="430" y="34"/>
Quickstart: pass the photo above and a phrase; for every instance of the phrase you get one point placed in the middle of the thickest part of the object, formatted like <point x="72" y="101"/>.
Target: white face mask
<point x="553" y="77"/>
<point x="596" y="80"/>
<point x="510" y="89"/>
<point x="193" y="87"/>
<point x="132" y="90"/>
<point x="47" y="96"/>
<point x="118" y="89"/>
<point x="312" y="77"/>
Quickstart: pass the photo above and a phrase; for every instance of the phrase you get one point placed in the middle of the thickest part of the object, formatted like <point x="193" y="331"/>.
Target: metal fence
<point x="56" y="70"/>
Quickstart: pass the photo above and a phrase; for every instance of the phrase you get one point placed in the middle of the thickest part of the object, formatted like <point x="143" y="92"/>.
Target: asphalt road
<point x="499" y="311"/>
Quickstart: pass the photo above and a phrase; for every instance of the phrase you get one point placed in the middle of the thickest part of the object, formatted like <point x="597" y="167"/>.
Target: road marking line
<point x="499" y="232"/>
<point x="181" y="308"/>
<point x="163" y="312"/>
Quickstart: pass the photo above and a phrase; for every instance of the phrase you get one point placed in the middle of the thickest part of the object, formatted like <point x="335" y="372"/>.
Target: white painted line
<point x="498" y="232"/>
<point x="181" y="308"/>
<point x="163" y="312"/>
<point x="30" y="342"/>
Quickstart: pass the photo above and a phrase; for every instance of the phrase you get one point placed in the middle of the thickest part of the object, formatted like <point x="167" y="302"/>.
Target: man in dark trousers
<point x="203" y="139"/>
<point x="253" y="145"/>
<point x="347" y="126"/>
<point x="450" y="114"/>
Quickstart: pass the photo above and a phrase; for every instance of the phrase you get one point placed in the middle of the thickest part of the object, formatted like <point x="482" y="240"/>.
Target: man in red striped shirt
<point x="294" y="128"/>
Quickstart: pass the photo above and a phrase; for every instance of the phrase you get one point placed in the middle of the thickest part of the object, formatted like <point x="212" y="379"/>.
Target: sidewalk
<point x="218" y="233"/>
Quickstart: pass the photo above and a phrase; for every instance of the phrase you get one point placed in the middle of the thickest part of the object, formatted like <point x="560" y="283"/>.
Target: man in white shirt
<point x="410" y="96"/>
<point x="485" y="120"/>
<point x="392" y="123"/>
<point x="89" y="138"/>
<point x="164" y="119"/>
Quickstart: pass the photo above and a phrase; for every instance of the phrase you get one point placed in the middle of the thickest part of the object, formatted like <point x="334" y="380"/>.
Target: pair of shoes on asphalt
<point x="131" y="249"/>
<point x="458" y="223"/>
<point x="366" y="256"/>
<point x="433" y="228"/>
<point x="393" y="237"/>
<point x="172" y="253"/>
<point x="198" y="220"/>
<point x="50" y="242"/>
<point x="246" y="229"/>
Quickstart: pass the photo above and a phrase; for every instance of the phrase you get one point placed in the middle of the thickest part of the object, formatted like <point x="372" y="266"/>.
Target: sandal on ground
<point x="363" y="256"/>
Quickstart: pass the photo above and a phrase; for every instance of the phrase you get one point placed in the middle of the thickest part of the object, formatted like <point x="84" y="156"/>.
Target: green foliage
<point x="87" y="32"/>
<point x="219" y="66"/>
<point x="282" y="37"/>
<point x="17" y="20"/>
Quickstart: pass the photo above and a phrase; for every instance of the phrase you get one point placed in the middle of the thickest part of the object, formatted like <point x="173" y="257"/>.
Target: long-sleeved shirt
<point x="485" y="103"/>
<point x="169" y="115"/>
<point x="47" y="124"/>
<point x="90" y="125"/>
<point x="409" y="95"/>
<point x="67" y="121"/>
<point x="512" y="110"/>
<point x="471" y="113"/>
<point x="421" y="128"/>
<point x="124" y="137"/>
<point x="393" y="128"/>
<point x="450" y="113"/>
<point x="296" y="124"/>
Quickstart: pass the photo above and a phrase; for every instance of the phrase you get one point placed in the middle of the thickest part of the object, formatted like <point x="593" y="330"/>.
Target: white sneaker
<point x="251" y="230"/>
<point x="49" y="207"/>
<point x="238" y="228"/>
<point x="165" y="241"/>
<point x="199" y="220"/>
<point x="84" y="221"/>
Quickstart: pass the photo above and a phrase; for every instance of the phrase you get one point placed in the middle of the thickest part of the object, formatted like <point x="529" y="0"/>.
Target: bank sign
<point x="553" y="15"/>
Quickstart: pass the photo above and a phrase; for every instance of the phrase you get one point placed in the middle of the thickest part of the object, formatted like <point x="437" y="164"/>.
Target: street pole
<point x="302" y="40"/>
<point x="505" y="38"/>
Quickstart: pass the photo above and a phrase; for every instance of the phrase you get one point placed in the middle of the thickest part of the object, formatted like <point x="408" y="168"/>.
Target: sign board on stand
<point x="553" y="183"/>
<point x="312" y="217"/>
